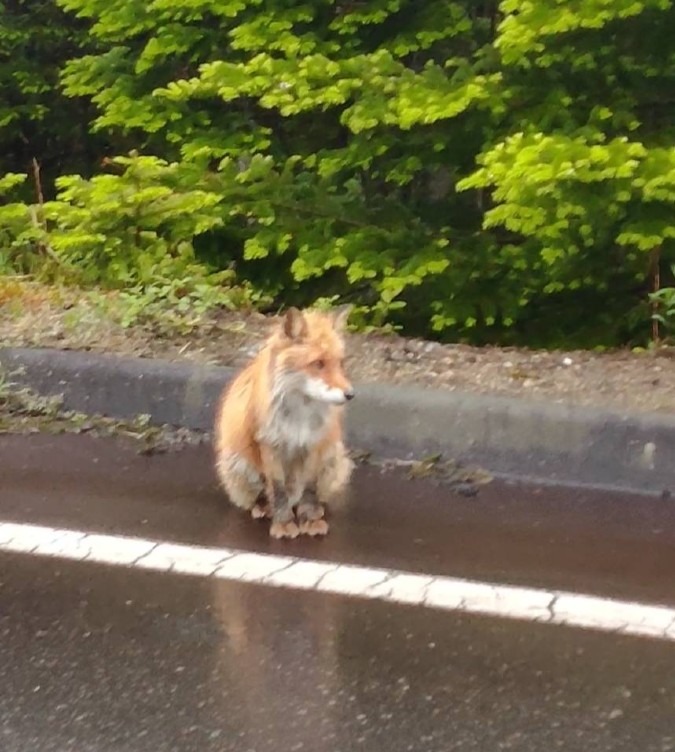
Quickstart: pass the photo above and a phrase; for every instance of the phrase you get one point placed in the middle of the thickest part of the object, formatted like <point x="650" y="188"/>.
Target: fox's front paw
<point x="311" y="517"/>
<point x="284" y="529"/>
<point x="313" y="527"/>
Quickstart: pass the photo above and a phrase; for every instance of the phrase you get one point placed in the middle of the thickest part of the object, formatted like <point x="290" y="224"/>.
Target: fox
<point x="279" y="445"/>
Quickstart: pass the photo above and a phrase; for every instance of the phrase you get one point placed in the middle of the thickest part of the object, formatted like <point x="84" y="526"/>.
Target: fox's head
<point x="310" y="355"/>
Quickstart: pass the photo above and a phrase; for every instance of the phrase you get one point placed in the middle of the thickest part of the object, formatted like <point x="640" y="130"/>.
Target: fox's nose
<point x="349" y="394"/>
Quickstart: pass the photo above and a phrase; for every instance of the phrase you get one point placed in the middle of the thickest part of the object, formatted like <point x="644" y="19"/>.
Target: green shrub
<point x="663" y="301"/>
<point x="493" y="171"/>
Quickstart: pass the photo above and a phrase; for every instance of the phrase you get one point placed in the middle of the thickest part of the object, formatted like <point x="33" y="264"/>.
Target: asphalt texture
<point x="616" y="545"/>
<point x="99" y="659"/>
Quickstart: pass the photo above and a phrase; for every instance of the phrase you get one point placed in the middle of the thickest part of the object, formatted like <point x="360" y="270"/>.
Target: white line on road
<point x="448" y="593"/>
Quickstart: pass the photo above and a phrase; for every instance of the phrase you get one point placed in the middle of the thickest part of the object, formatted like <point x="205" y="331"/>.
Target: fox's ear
<point x="295" y="326"/>
<point x="340" y="316"/>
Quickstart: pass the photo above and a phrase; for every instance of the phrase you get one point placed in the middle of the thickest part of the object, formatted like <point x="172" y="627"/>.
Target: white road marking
<point x="446" y="593"/>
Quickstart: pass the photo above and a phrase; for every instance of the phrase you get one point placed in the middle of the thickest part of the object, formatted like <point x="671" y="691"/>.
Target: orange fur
<point x="278" y="432"/>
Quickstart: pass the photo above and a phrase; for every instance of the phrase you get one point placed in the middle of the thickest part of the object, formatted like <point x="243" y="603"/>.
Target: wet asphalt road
<point x="588" y="541"/>
<point x="98" y="659"/>
<point x="102" y="660"/>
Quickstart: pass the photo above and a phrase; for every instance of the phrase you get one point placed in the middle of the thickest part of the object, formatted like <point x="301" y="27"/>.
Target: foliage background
<point x="491" y="172"/>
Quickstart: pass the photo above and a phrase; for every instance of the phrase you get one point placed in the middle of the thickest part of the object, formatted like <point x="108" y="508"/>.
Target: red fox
<point x="278" y="433"/>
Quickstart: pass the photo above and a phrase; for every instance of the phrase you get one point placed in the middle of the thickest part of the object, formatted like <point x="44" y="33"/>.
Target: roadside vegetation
<point x="482" y="172"/>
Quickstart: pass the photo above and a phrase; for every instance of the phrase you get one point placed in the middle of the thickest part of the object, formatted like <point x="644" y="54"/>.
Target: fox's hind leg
<point x="262" y="509"/>
<point x="332" y="477"/>
<point x="242" y="483"/>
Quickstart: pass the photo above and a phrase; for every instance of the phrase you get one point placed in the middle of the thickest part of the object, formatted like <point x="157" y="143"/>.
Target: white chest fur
<point x="295" y="423"/>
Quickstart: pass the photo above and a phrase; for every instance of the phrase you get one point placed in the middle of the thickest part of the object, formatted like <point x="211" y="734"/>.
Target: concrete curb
<point x="539" y="440"/>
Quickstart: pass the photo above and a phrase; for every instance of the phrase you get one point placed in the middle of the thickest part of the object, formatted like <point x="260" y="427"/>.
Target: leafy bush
<point x="493" y="171"/>
<point x="19" y="228"/>
<point x="129" y="228"/>
<point x="664" y="303"/>
<point x="130" y="231"/>
<point x="586" y="173"/>
<point x="37" y="121"/>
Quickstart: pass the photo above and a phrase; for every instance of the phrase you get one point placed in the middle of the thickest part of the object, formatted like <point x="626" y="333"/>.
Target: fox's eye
<point x="320" y="364"/>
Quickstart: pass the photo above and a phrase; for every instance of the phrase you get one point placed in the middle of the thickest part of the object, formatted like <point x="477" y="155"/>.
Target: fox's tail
<point x="334" y="476"/>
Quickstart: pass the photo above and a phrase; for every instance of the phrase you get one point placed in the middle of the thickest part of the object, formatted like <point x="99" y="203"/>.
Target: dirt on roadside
<point x="621" y="379"/>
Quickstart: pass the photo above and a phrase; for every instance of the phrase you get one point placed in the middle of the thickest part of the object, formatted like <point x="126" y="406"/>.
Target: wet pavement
<point x="103" y="660"/>
<point x="100" y="659"/>
<point x="589" y="541"/>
